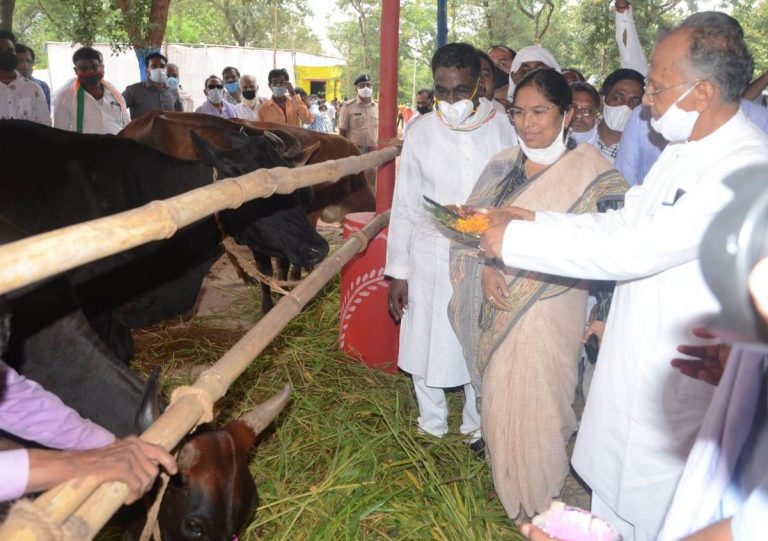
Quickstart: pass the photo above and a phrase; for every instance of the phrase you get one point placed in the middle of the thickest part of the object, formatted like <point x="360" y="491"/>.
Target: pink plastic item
<point x="574" y="524"/>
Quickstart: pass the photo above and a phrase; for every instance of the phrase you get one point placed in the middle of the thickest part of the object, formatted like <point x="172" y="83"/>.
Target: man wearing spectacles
<point x="216" y="104"/>
<point x="26" y="57"/>
<point x="641" y="417"/>
<point x="641" y="145"/>
<point x="90" y="104"/>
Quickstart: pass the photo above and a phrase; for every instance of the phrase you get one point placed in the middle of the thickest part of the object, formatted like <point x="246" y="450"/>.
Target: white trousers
<point x="629" y="532"/>
<point x="433" y="410"/>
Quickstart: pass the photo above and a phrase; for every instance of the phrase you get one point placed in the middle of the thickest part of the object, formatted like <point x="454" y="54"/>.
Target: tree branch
<point x="527" y="13"/>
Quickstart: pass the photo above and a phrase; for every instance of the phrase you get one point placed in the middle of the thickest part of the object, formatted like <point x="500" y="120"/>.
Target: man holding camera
<point x="641" y="417"/>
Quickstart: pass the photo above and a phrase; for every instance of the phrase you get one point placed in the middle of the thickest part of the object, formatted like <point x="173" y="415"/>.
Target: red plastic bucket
<point x="367" y="332"/>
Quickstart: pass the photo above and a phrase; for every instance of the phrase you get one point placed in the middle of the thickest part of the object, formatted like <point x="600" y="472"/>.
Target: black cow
<point x="51" y="178"/>
<point x="52" y="343"/>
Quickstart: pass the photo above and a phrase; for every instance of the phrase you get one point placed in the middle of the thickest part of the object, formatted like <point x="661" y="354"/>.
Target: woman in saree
<point x="522" y="331"/>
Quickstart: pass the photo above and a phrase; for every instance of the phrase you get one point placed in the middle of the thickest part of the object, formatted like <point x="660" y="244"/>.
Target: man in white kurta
<point x="641" y="415"/>
<point x="107" y="114"/>
<point x="442" y="159"/>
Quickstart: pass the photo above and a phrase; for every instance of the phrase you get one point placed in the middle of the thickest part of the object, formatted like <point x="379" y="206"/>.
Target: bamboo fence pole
<point x="28" y="260"/>
<point x="96" y="507"/>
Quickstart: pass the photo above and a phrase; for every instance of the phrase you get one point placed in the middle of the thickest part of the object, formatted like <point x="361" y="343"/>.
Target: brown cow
<point x="169" y="132"/>
<point x="213" y="494"/>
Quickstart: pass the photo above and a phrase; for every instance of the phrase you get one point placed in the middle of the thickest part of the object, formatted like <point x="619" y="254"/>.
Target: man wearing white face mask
<point x="443" y="155"/>
<point x="154" y="93"/>
<point x="622" y="91"/>
<point x="216" y="105"/>
<point x="359" y="120"/>
<point x="286" y="106"/>
<point x="641" y="417"/>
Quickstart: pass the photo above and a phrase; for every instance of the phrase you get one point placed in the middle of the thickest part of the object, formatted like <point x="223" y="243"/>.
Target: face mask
<point x="616" y="116"/>
<point x="499" y="78"/>
<point x="455" y="113"/>
<point x="676" y="125"/>
<point x="90" y="80"/>
<point x="172" y="82"/>
<point x="8" y="61"/>
<point x="215" y="95"/>
<point x="279" y="91"/>
<point x="232" y="87"/>
<point x="249" y="94"/>
<point x="547" y="155"/>
<point x="589" y="136"/>
<point x="158" y="75"/>
<point x="424" y="110"/>
<point x="365" y="92"/>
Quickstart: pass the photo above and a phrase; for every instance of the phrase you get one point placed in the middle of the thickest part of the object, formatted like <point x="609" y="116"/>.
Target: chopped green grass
<point x="344" y="460"/>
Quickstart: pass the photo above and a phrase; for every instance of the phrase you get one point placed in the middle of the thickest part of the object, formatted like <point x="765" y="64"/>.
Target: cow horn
<point x="279" y="143"/>
<point x="263" y="414"/>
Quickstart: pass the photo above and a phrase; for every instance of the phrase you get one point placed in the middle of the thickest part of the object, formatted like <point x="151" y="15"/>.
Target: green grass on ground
<point x="344" y="460"/>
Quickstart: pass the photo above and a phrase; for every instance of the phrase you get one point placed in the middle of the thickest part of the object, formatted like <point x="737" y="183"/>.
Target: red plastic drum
<point x="367" y="331"/>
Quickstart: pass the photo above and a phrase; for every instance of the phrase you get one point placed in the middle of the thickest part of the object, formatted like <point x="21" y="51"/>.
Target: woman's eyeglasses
<point x="517" y="114"/>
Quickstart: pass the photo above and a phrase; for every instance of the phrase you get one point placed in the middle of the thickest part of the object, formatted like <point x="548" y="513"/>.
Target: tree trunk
<point x="158" y="21"/>
<point x="6" y="14"/>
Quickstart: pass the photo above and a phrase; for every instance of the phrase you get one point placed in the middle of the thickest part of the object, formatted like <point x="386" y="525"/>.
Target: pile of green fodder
<point x="344" y="460"/>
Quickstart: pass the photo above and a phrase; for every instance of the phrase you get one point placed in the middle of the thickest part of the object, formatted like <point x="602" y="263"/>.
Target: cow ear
<point x="151" y="403"/>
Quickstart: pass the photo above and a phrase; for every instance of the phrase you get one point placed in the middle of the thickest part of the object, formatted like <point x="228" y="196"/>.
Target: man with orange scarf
<point x="89" y="104"/>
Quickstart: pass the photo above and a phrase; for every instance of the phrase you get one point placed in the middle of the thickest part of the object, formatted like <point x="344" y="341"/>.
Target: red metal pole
<point x="388" y="46"/>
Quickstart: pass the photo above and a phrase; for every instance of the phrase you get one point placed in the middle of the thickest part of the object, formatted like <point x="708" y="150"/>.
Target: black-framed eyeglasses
<point x="212" y="87"/>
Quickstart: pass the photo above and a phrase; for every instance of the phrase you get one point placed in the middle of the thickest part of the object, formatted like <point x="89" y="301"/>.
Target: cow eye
<point x="192" y="527"/>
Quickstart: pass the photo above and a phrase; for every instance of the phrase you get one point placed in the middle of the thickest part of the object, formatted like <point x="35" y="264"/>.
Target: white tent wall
<point x="195" y="64"/>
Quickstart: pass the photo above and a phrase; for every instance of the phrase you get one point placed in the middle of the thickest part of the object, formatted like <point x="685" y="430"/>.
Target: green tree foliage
<point x="142" y="23"/>
<point x="357" y="39"/>
<point x="243" y="22"/>
<point x="753" y="15"/>
<point x="580" y="34"/>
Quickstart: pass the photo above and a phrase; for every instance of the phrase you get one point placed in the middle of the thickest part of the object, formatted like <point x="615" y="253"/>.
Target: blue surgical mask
<point x="232" y="87"/>
<point x="172" y="82"/>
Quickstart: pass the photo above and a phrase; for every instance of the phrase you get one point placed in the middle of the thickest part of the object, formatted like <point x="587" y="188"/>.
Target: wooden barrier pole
<point x="32" y="259"/>
<point x="94" y="508"/>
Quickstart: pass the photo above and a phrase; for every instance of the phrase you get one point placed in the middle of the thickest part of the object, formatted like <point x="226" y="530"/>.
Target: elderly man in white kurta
<point x="444" y="154"/>
<point x="641" y="415"/>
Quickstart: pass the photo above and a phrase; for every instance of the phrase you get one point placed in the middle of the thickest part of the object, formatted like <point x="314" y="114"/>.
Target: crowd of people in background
<point x="89" y="103"/>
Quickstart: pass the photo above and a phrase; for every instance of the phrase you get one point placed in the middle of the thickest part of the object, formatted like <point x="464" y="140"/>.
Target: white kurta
<point x="641" y="415"/>
<point x="24" y="100"/>
<point x="444" y="165"/>
<point x="99" y="116"/>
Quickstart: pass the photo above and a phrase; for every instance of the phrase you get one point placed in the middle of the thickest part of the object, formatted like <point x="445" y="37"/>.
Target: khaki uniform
<point x="361" y="122"/>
